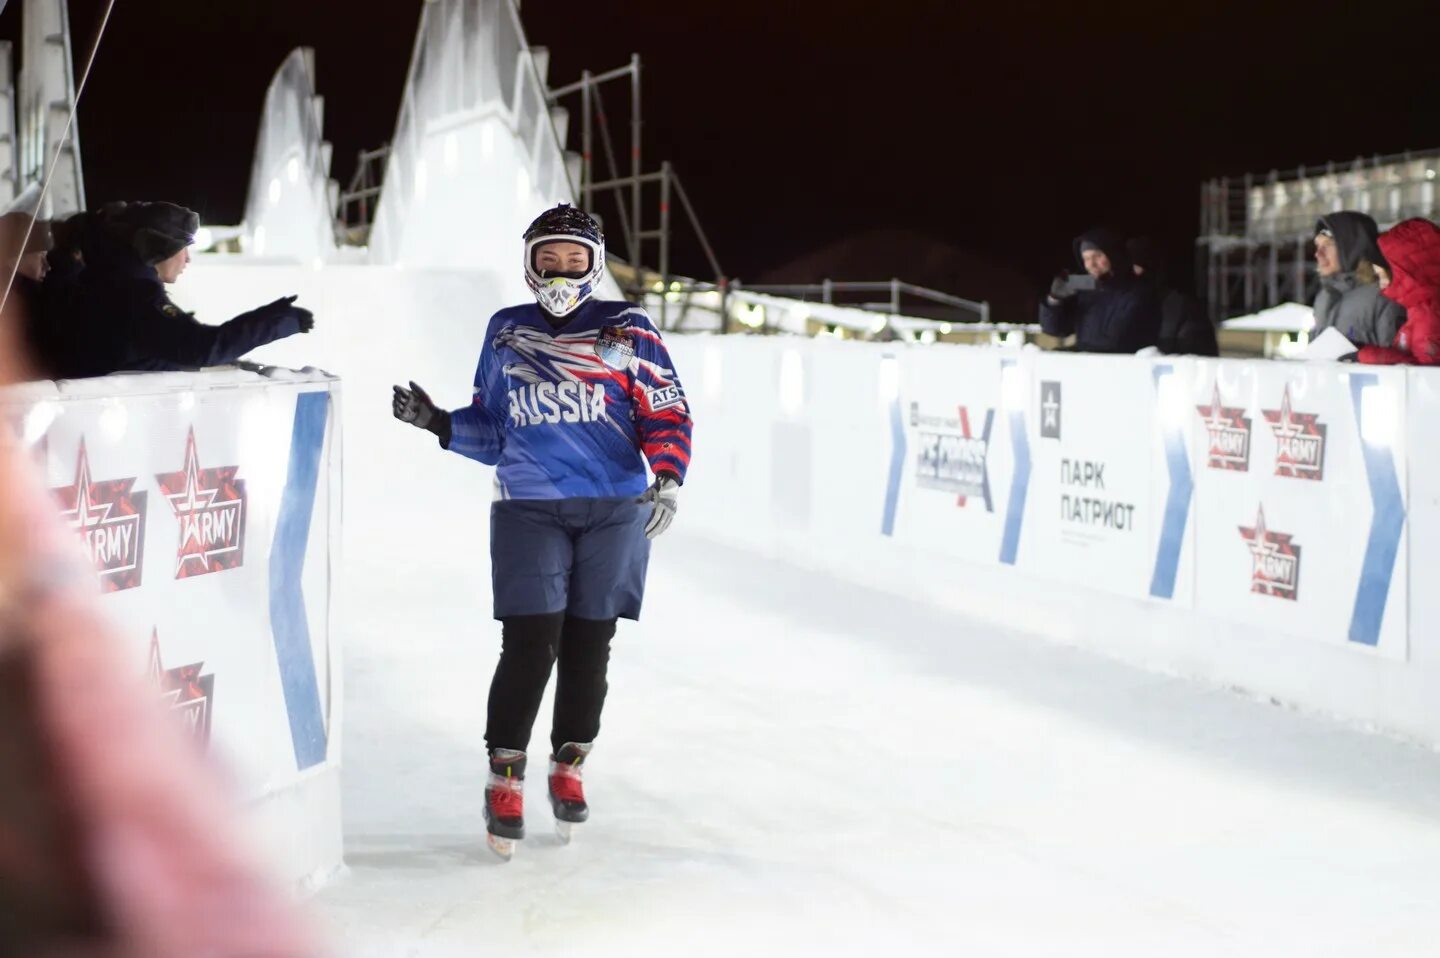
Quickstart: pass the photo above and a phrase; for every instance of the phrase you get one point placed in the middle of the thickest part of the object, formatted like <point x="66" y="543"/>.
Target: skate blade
<point x="562" y="831"/>
<point x="502" y="847"/>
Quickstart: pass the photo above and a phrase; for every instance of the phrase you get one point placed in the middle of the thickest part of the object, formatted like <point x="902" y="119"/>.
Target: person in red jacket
<point x="1413" y="249"/>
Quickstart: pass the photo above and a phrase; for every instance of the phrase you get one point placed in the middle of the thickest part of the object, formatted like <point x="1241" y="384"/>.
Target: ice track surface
<point x="792" y="765"/>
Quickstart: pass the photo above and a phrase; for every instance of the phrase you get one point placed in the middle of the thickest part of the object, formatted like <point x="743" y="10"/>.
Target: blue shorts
<point x="586" y="557"/>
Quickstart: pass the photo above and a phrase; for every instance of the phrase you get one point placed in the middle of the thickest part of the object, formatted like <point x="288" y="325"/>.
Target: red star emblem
<point x="1299" y="440"/>
<point x="210" y="507"/>
<point x="1229" y="430"/>
<point x="185" y="690"/>
<point x="110" y="519"/>
<point x="1275" y="560"/>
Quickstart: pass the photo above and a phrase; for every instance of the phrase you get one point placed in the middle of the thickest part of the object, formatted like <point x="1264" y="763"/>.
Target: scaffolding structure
<point x="358" y="201"/>
<point x="629" y="186"/>
<point x="1256" y="231"/>
<point x="472" y="62"/>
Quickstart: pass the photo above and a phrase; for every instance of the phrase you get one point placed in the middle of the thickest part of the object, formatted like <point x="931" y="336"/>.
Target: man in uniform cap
<point x="118" y="261"/>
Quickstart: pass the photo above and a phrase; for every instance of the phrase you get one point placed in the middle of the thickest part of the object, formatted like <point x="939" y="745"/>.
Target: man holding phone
<point x="1105" y="308"/>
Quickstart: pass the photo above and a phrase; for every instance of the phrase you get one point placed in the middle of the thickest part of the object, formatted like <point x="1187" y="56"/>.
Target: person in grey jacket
<point x="1347" y="253"/>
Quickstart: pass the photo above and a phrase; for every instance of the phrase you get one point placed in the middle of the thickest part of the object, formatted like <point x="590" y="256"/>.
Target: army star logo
<point x="1229" y="430"/>
<point x="185" y="690"/>
<point x="110" y="518"/>
<point x="1299" y="441"/>
<point x="210" y="506"/>
<point x="1275" y="560"/>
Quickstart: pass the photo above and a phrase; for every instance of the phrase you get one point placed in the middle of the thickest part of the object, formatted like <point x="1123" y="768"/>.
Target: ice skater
<point x="573" y="397"/>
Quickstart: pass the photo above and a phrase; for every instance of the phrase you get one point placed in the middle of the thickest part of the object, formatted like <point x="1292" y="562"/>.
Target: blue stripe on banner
<point x="288" y="621"/>
<point x="897" y="466"/>
<point x="1385" y="525"/>
<point x="1177" y="504"/>
<point x="1019" y="482"/>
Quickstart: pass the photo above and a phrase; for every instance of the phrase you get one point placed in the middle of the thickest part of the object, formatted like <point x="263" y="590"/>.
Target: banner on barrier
<point x="1299" y="501"/>
<point x="952" y="453"/>
<point x="1264" y="493"/>
<point x="1109" y="500"/>
<point x="198" y="506"/>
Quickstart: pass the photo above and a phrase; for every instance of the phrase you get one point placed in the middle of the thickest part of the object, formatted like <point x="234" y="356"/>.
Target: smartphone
<point x="1079" y="282"/>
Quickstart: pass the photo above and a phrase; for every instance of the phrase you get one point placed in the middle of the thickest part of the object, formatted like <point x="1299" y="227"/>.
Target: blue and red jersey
<point x="575" y="411"/>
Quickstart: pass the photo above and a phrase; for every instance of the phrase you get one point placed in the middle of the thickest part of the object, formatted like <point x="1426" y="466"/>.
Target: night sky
<point x="1001" y="128"/>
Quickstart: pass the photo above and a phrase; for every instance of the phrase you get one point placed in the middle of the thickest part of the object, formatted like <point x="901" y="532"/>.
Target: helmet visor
<point x="561" y="259"/>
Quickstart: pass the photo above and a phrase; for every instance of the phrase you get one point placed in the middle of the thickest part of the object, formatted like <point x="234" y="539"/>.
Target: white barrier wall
<point x="209" y="503"/>
<point x="1255" y="524"/>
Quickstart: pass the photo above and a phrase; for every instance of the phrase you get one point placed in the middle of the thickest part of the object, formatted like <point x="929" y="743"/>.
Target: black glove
<point x="276" y="309"/>
<point x="285" y="308"/>
<point x="662" y="495"/>
<point x="1060" y="287"/>
<point x="282" y="309"/>
<point x="415" y="407"/>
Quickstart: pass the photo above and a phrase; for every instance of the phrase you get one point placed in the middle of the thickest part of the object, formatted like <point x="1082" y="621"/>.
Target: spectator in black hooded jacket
<point x="1120" y="315"/>
<point x="1347" y="254"/>
<point x="118" y="316"/>
<point x="1185" y="328"/>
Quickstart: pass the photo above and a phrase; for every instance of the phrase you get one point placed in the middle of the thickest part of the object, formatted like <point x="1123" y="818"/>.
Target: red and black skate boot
<point x="505" y="801"/>
<point x="567" y="792"/>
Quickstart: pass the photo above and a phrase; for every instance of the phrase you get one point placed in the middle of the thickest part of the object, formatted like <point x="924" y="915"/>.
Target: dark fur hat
<point x="157" y="231"/>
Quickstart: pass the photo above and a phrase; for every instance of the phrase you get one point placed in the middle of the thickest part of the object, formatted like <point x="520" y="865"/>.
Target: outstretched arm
<point x="171" y="335"/>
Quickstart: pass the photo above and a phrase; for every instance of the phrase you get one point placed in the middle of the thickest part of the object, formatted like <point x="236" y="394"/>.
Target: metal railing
<point x="897" y="290"/>
<point x="359" y="200"/>
<point x="810" y="308"/>
<point x="628" y="189"/>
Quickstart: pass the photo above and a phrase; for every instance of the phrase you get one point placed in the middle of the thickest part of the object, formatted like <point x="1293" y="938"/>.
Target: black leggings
<point x="530" y="646"/>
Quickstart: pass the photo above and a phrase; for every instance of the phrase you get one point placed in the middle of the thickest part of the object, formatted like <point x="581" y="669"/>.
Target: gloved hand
<point x="662" y="494"/>
<point x="1060" y="288"/>
<point x="415" y="407"/>
<point x="285" y="308"/>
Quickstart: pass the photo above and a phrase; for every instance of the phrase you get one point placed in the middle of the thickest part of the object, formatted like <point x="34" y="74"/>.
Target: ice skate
<point x="505" y="801"/>
<point x="567" y="792"/>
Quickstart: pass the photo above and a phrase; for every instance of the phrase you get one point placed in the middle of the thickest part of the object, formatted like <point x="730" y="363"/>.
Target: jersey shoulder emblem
<point x="615" y="345"/>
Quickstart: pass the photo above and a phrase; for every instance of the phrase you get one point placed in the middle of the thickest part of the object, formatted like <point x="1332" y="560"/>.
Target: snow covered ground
<point x="792" y="765"/>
